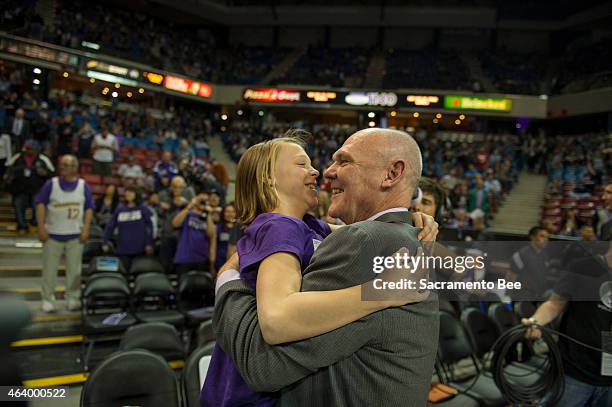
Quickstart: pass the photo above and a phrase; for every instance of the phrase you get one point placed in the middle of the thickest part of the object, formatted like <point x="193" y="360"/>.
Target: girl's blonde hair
<point x="255" y="182"/>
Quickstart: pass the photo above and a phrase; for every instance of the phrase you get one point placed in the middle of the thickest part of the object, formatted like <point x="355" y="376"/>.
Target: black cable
<point x="550" y="379"/>
<point x="550" y="370"/>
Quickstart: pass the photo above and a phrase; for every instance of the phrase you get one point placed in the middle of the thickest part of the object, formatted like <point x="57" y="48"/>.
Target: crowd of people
<point x="206" y="54"/>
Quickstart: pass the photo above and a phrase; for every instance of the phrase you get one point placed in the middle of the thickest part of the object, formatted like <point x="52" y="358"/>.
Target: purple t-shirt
<point x="134" y="229"/>
<point x="44" y="196"/>
<point x="193" y="245"/>
<point x="268" y="234"/>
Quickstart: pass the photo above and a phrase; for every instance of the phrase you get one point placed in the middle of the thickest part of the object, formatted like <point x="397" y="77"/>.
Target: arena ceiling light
<point x="37" y="71"/>
<point x="415" y="114"/>
<point x="114" y="94"/>
<point x="371" y="115"/>
<point x="239" y="112"/>
<point x="261" y="113"/>
<point x="223" y="117"/>
<point x="461" y="117"/>
<point x="372" y="124"/>
<point x="36" y="81"/>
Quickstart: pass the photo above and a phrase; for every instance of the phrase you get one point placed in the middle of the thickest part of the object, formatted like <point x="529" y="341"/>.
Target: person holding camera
<point x="197" y="242"/>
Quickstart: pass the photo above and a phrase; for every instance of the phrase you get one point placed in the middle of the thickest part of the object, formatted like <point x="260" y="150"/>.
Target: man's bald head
<point x="375" y="169"/>
<point x="388" y="146"/>
<point x="68" y="166"/>
<point x="178" y="182"/>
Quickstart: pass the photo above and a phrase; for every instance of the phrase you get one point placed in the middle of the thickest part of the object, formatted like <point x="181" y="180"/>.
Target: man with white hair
<point x="386" y="358"/>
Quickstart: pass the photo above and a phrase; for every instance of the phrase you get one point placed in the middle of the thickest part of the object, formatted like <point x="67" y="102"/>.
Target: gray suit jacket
<point x="386" y="358"/>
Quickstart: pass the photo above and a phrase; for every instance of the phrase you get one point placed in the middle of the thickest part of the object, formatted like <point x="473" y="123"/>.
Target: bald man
<point x="386" y="358"/>
<point x="64" y="209"/>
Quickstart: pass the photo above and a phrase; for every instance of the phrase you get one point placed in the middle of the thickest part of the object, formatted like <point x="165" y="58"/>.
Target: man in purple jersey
<point x="64" y="209"/>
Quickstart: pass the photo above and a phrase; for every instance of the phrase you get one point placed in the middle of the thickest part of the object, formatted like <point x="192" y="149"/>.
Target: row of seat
<point x="139" y="373"/>
<point x="471" y="338"/>
<point x="140" y="378"/>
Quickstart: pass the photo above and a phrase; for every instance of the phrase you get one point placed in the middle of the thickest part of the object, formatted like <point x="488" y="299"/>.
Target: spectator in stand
<point x="603" y="216"/>
<point x="219" y="171"/>
<point x="587" y="233"/>
<point x="432" y="200"/>
<point x="197" y="244"/>
<point x="64" y="210"/>
<point x="134" y="228"/>
<point x="184" y="151"/>
<point x="459" y="195"/>
<point x="225" y="228"/>
<point x="549" y="226"/>
<point x="41" y="129"/>
<point x="5" y="154"/>
<point x="214" y="200"/>
<point x="478" y="197"/>
<point x="168" y="233"/>
<point x="570" y="223"/>
<point x="492" y="185"/>
<point x="26" y="173"/>
<point x="460" y="220"/>
<point x="104" y="147"/>
<point x="449" y="180"/>
<point x="106" y="205"/>
<point x="85" y="137"/>
<point x="530" y="266"/>
<point x="19" y="128"/>
<point x="164" y="170"/>
<point x="178" y="187"/>
<point x="131" y="173"/>
<point x="65" y="136"/>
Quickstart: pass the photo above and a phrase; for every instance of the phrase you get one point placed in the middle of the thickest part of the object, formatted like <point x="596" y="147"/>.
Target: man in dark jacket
<point x="26" y="173"/>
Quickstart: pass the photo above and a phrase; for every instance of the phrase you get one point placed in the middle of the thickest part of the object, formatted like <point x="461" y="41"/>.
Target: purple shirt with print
<point x="134" y="229"/>
<point x="268" y="234"/>
<point x="45" y="194"/>
<point x="193" y="243"/>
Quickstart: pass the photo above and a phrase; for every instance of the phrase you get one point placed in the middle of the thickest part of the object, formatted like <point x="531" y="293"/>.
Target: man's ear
<point x="394" y="174"/>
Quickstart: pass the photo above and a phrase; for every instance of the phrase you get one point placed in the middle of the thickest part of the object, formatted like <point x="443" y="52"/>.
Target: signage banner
<point x="187" y="86"/>
<point x="477" y="103"/>
<point x="271" y="95"/>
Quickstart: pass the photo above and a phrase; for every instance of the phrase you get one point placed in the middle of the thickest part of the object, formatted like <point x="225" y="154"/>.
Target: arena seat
<point x="506" y="319"/>
<point x="131" y="378"/>
<point x="145" y="264"/>
<point x="445" y="305"/>
<point x="454" y="346"/>
<point x="92" y="248"/>
<point x="483" y="333"/>
<point x="194" y="374"/>
<point x="155" y="300"/>
<point x="205" y="333"/>
<point x="106" y="306"/>
<point x="158" y="337"/>
<point x="502" y="317"/>
<point x="195" y="292"/>
<point x="95" y="232"/>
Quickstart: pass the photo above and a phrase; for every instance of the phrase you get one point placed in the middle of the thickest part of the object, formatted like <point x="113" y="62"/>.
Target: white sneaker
<point x="73" y="305"/>
<point x="47" y="306"/>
